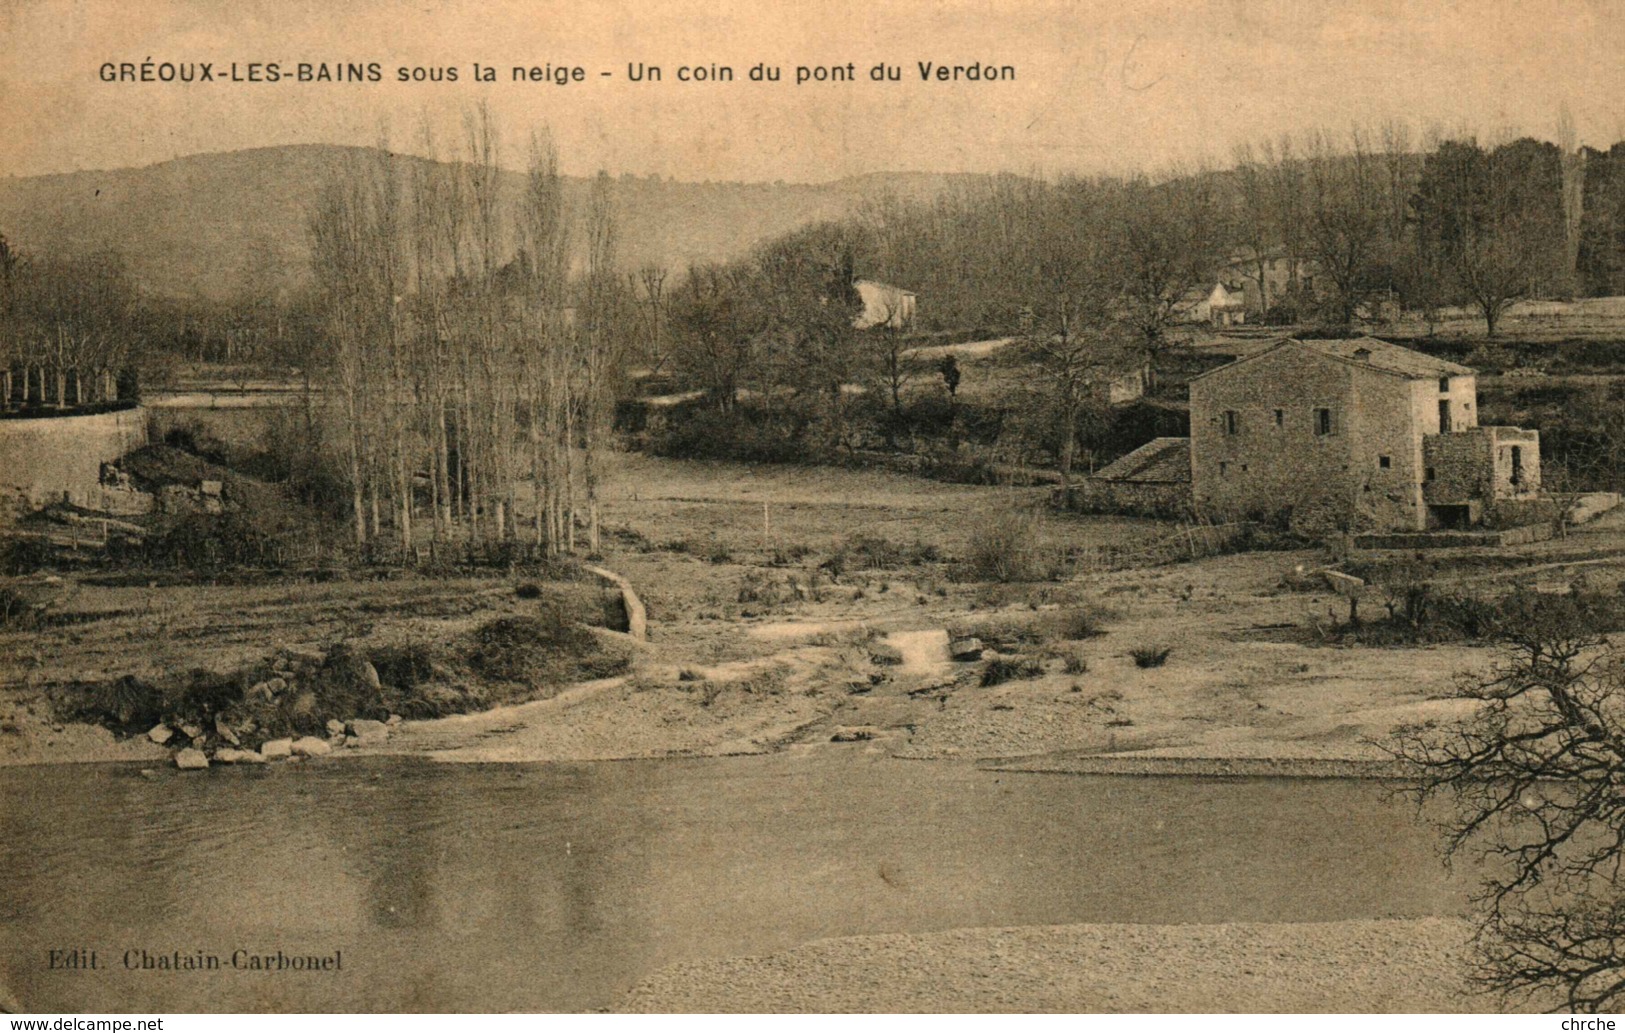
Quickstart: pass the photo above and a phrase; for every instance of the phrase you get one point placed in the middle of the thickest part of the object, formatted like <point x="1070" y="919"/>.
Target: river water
<point x="547" y="887"/>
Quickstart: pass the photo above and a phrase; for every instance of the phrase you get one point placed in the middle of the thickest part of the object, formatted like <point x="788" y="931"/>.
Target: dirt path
<point x="925" y="653"/>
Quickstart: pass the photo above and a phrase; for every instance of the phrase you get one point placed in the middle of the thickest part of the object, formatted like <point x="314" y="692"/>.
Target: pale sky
<point x="1100" y="85"/>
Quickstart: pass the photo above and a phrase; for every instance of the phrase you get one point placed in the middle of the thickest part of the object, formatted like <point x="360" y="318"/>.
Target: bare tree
<point x="1533" y="784"/>
<point x="1167" y="238"/>
<point x="1347" y="219"/>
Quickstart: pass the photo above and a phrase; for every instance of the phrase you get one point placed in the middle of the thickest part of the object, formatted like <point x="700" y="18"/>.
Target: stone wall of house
<point x="1479" y="466"/>
<point x="60" y="457"/>
<point x="1272" y="456"/>
<point x="1515" y="454"/>
<point x="1458" y="468"/>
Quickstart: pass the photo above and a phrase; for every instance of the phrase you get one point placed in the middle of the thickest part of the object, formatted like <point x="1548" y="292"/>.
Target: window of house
<point x="1323" y="421"/>
<point x="1232" y="422"/>
<point x="1280" y="417"/>
<point x="1430" y="474"/>
<point x="1224" y="468"/>
<point x="1517" y="464"/>
<point x="1444" y="385"/>
<point x="1385" y="462"/>
<point x="1444" y="416"/>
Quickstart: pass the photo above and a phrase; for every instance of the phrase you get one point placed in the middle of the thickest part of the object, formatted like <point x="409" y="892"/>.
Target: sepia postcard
<point x="885" y="507"/>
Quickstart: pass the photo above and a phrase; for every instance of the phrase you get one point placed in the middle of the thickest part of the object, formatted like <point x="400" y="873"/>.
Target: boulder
<point x="335" y="727"/>
<point x="191" y="759"/>
<point x="369" y="676"/>
<point x="369" y="732"/>
<point x="304" y="657"/>
<point x="224" y="731"/>
<point x="857" y="734"/>
<point x="394" y="719"/>
<point x="310" y="746"/>
<point x="276" y="749"/>
<point x="260" y="690"/>
<point x="192" y="731"/>
<point x="276" y="685"/>
<point x="966" y="649"/>
<point x="161" y="734"/>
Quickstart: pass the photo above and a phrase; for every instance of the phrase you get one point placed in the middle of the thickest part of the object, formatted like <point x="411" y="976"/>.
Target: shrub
<point x="543" y="649"/>
<point x="1150" y="656"/>
<point x="24" y="555"/>
<point x="1001" y="669"/>
<point x="125" y="702"/>
<point x="1007" y="547"/>
<point x="1074" y="624"/>
<point x="18" y="609"/>
<point x="528" y="590"/>
<point x="871" y="552"/>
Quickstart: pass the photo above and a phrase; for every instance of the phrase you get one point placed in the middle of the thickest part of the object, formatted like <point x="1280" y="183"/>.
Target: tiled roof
<point x="1390" y="358"/>
<point x="1158" y="460"/>
<point x="1377" y="355"/>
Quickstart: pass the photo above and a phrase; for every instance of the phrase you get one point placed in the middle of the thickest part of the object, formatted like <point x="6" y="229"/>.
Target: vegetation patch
<point x="1150" y="656"/>
<point x="1001" y="669"/>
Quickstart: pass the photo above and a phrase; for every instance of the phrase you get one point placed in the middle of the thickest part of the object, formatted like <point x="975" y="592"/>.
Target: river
<point x="549" y="887"/>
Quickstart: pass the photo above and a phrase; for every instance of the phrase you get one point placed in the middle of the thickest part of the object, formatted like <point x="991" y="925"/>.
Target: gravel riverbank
<point x="1355" y="966"/>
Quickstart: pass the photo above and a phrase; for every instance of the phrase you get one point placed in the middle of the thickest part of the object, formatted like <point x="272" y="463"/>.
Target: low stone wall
<point x="1133" y="498"/>
<point x="637" y="617"/>
<point x="1456" y="539"/>
<point x="60" y="457"/>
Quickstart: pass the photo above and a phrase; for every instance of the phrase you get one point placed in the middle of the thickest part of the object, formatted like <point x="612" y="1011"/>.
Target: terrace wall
<point x="53" y="458"/>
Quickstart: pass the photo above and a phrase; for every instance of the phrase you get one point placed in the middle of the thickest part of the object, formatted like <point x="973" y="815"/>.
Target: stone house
<point x="1216" y="305"/>
<point x="1375" y="436"/>
<point x="1267" y="279"/>
<point x="883" y="305"/>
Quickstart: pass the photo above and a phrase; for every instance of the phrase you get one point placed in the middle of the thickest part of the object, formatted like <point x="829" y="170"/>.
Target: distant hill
<point x="204" y="225"/>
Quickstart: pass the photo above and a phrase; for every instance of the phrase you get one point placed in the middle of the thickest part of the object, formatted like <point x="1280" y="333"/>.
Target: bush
<point x="543" y="649"/>
<point x="1008" y="547"/>
<point x="24" y="555"/>
<point x="1417" y="614"/>
<point x="1148" y="656"/>
<point x="871" y="552"/>
<point x="1001" y="669"/>
<point x="1074" y="624"/>
<point x="744" y="433"/>
<point x="18" y="608"/>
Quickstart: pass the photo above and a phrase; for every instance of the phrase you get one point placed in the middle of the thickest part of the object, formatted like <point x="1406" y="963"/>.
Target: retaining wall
<point x="60" y="457"/>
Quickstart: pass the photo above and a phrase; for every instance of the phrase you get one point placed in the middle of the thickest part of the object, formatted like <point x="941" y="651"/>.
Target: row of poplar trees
<point x="470" y="323"/>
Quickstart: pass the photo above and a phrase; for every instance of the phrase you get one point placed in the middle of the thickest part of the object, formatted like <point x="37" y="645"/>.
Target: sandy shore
<point x="1356" y="966"/>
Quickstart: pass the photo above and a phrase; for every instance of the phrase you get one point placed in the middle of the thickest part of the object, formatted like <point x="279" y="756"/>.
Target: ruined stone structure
<point x="1376" y="436"/>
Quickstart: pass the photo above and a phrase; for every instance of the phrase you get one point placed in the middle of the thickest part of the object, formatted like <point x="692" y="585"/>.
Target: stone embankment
<point x="288" y="694"/>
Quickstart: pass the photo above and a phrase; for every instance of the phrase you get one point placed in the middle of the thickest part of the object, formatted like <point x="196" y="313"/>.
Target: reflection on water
<point x="554" y="887"/>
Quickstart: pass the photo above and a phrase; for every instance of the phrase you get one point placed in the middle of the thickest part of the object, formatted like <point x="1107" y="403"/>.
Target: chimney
<point x="1362" y="354"/>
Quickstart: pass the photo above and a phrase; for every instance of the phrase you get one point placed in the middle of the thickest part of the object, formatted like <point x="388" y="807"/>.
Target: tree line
<point x="472" y="363"/>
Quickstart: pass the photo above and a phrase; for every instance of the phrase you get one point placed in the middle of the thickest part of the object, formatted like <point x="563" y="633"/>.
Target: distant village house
<point x="883" y="306"/>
